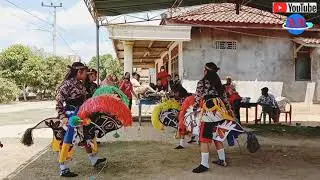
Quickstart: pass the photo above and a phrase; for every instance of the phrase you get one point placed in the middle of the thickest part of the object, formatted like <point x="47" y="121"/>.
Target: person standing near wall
<point x="234" y="97"/>
<point x="163" y="76"/>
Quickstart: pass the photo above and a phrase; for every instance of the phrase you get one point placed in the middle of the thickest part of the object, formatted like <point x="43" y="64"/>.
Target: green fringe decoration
<point x="105" y="90"/>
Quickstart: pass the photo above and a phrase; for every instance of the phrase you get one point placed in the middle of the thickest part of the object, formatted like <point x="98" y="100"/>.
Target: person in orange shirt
<point x="163" y="76"/>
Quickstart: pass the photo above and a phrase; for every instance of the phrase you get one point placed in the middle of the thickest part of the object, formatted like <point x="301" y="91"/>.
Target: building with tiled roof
<point x="225" y="13"/>
<point x="252" y="47"/>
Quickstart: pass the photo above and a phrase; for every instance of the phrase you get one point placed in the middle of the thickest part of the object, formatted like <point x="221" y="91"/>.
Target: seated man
<point x="138" y="88"/>
<point x="159" y="86"/>
<point x="269" y="104"/>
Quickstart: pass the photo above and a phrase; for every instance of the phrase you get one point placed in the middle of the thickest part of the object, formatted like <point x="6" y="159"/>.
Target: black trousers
<point x="130" y="103"/>
<point x="236" y="109"/>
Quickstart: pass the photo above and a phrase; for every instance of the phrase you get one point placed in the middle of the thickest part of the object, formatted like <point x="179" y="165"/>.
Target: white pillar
<point x="180" y="64"/>
<point x="128" y="56"/>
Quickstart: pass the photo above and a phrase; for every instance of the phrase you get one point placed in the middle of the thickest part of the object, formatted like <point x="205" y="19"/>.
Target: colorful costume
<point x="110" y="90"/>
<point x="188" y="122"/>
<point x="165" y="114"/>
<point x="104" y="112"/>
<point x="217" y="119"/>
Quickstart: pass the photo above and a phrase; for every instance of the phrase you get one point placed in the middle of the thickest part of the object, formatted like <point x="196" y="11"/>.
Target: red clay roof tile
<point x="225" y="12"/>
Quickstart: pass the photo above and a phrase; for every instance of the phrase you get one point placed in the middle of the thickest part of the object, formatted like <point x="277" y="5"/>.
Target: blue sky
<point x="75" y="26"/>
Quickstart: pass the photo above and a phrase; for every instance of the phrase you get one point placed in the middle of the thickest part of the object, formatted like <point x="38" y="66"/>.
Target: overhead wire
<point x="43" y="20"/>
<point x="66" y="42"/>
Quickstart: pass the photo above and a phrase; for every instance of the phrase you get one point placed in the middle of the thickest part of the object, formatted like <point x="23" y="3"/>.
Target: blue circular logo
<point x="296" y="24"/>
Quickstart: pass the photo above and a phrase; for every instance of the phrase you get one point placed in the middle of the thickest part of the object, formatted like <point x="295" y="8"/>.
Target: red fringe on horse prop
<point x="106" y="104"/>
<point x="189" y="101"/>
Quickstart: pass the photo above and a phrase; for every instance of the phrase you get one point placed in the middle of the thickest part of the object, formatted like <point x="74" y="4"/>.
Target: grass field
<point x="155" y="160"/>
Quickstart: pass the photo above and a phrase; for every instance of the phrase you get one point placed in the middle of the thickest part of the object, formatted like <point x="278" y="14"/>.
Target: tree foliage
<point x="108" y="65"/>
<point x="53" y="70"/>
<point x="25" y="68"/>
<point x="8" y="90"/>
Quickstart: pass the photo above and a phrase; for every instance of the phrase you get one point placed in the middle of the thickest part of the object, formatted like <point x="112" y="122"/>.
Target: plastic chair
<point x="285" y="108"/>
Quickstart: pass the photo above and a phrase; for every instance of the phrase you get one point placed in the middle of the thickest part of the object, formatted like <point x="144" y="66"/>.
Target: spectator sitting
<point x="176" y="80"/>
<point x="269" y="104"/>
<point x="138" y="88"/>
<point x="171" y="82"/>
<point x="159" y="86"/>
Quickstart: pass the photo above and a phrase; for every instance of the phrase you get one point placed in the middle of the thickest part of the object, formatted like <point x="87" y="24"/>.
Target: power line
<point x="23" y="20"/>
<point x="66" y="42"/>
<point x="54" y="31"/>
<point x="35" y="16"/>
<point x="41" y="19"/>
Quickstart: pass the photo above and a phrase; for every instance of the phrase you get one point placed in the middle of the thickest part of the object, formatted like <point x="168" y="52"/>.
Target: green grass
<point x="286" y="130"/>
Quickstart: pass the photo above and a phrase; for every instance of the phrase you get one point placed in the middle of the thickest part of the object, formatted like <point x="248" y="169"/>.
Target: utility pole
<point x="54" y="24"/>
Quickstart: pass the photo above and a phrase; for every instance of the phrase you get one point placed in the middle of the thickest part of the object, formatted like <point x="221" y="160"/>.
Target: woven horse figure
<point x="104" y="112"/>
<point x="166" y="114"/>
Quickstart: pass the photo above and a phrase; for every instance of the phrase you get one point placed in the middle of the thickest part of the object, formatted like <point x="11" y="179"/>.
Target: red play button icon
<point x="279" y="7"/>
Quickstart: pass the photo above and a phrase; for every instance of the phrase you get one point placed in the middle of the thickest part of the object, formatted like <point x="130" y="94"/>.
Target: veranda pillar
<point x="128" y="56"/>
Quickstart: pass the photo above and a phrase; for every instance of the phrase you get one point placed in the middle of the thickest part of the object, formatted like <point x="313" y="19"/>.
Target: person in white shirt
<point x="269" y="104"/>
<point x="137" y="87"/>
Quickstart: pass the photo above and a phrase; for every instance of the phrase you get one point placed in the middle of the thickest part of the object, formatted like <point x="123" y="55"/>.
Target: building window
<point x="303" y="66"/>
<point x="226" y="45"/>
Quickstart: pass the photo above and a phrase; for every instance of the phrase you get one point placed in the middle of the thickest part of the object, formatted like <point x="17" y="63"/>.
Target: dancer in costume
<point x="217" y="119"/>
<point x="106" y="112"/>
<point x="70" y="96"/>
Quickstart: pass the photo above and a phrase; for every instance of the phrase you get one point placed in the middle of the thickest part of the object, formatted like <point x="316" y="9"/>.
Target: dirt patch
<point x="156" y="160"/>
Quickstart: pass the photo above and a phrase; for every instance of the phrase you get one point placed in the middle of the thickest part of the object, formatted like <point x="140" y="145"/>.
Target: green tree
<point x="20" y="65"/>
<point x="108" y="65"/>
<point x="8" y="90"/>
<point x="54" y="69"/>
<point x="114" y="67"/>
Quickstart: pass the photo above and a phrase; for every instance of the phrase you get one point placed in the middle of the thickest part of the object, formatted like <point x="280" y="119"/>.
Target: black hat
<point x="211" y="66"/>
